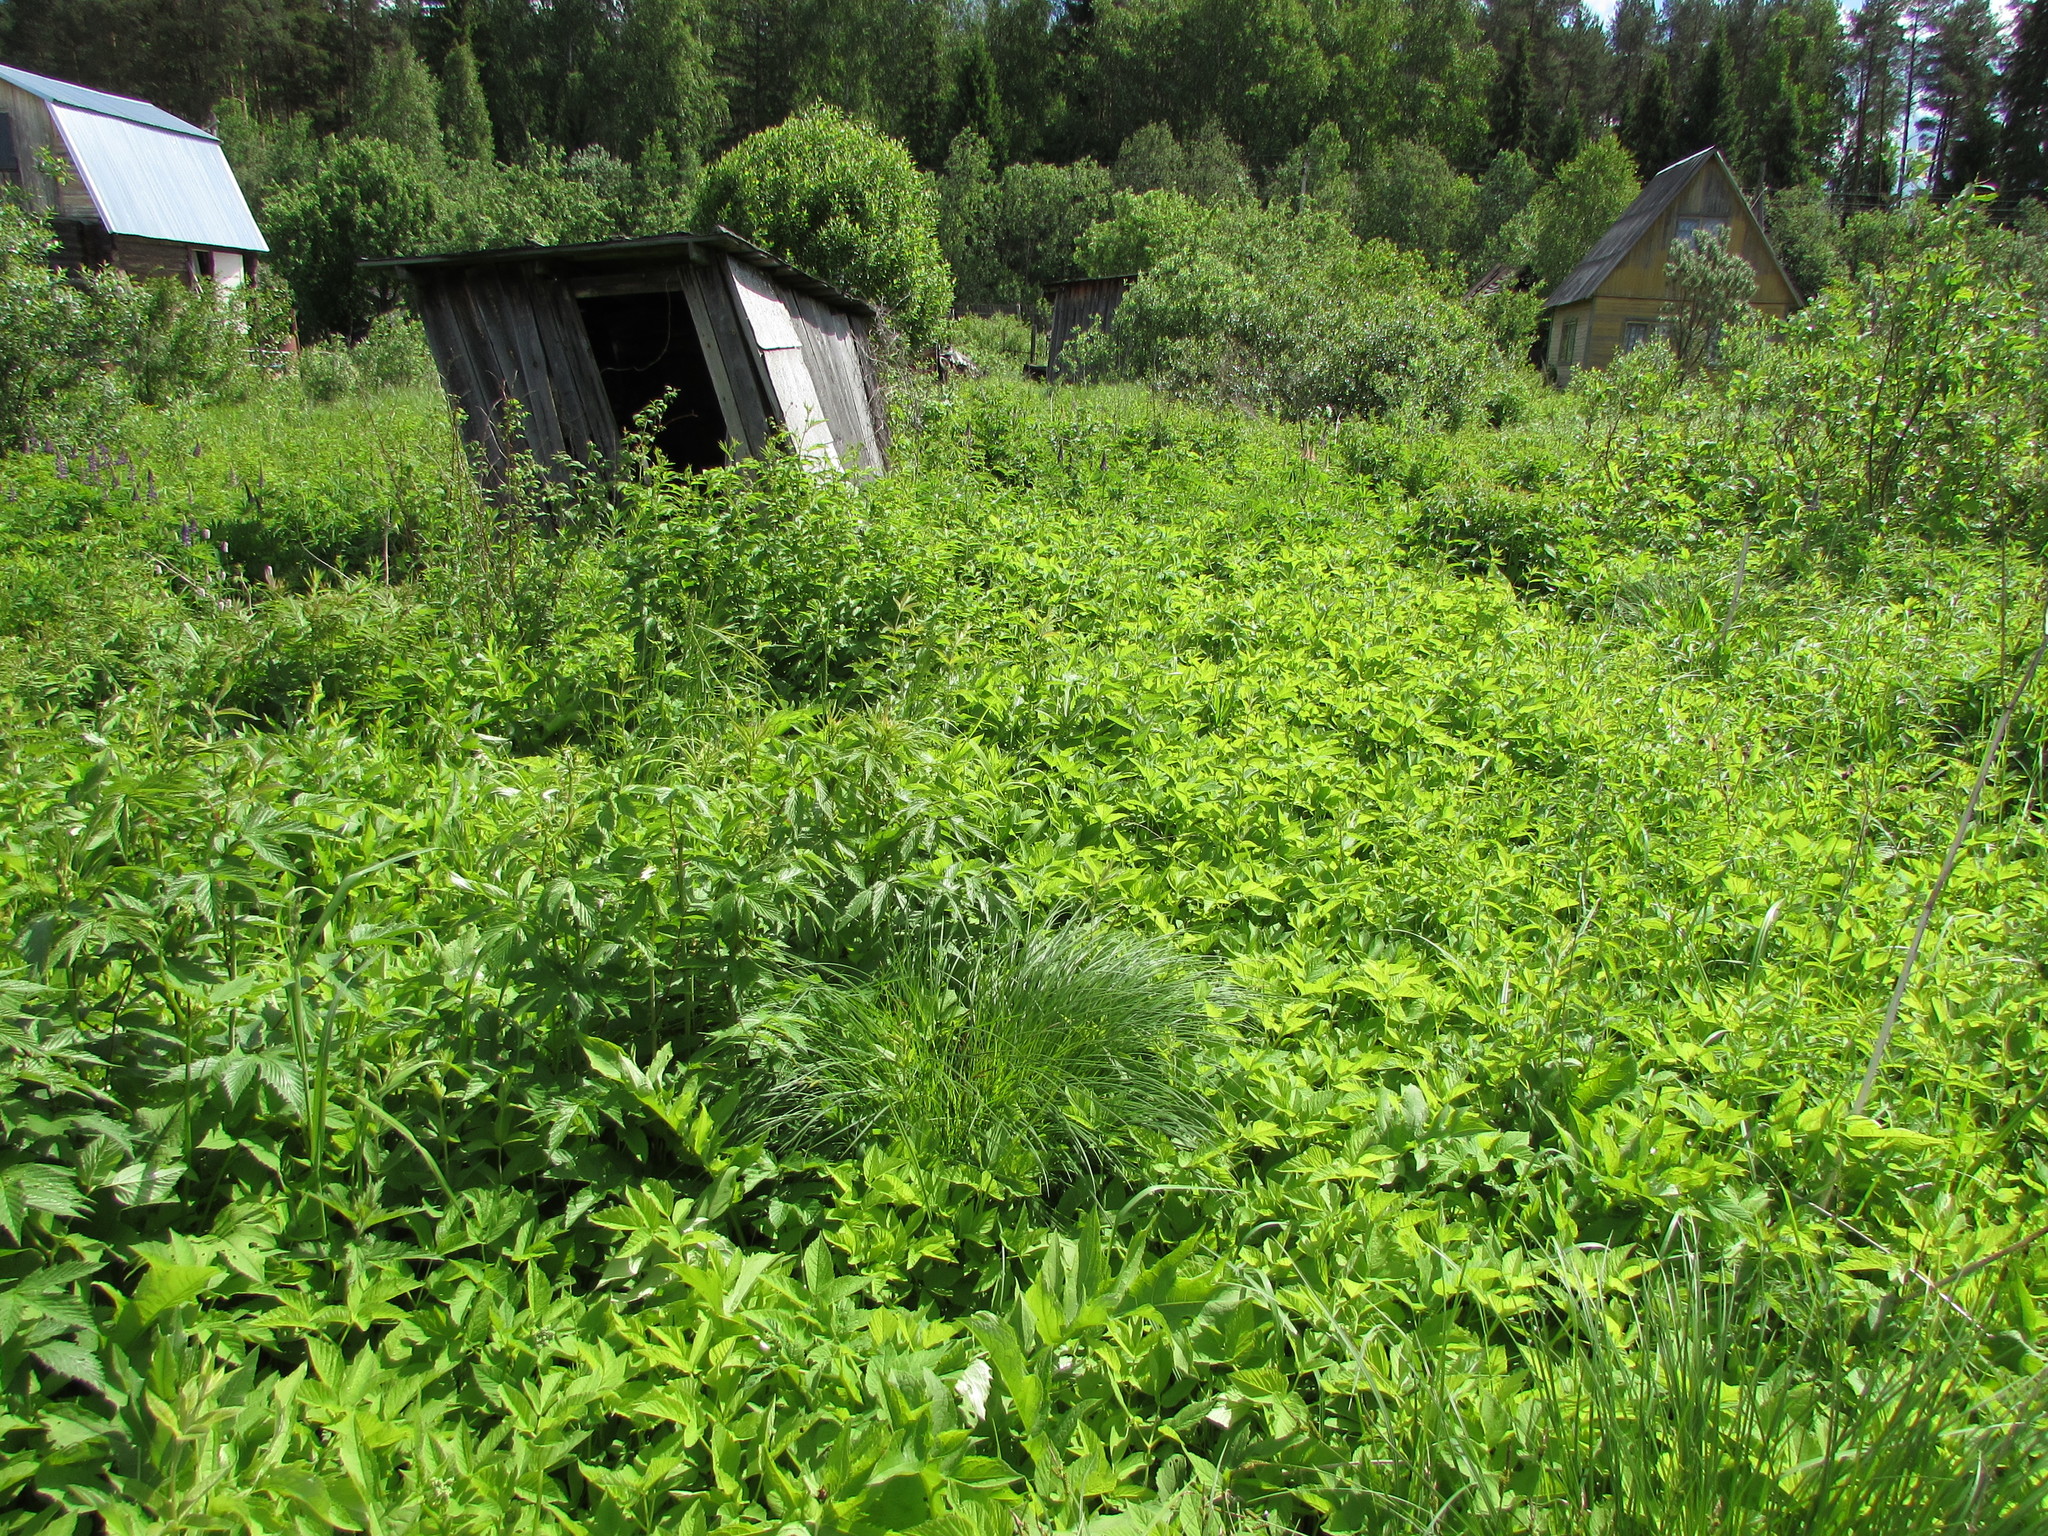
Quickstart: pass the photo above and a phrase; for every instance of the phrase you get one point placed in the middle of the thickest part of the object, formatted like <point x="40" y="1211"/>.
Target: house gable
<point x="1628" y="260"/>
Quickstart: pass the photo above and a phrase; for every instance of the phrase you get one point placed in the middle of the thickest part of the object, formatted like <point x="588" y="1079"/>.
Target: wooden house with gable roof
<point x="1615" y="299"/>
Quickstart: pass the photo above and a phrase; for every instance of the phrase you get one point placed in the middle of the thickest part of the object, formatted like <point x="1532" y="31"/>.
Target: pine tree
<point x="465" y="116"/>
<point x="2023" y="91"/>
<point x="1877" y="37"/>
<point x="1963" y="95"/>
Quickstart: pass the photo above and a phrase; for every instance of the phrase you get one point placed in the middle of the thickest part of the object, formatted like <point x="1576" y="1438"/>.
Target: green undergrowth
<point x="1145" y="969"/>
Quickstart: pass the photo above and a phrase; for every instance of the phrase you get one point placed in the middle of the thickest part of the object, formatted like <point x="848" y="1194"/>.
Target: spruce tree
<point x="398" y="104"/>
<point x="465" y="116"/>
<point x="2023" y="91"/>
<point x="978" y="98"/>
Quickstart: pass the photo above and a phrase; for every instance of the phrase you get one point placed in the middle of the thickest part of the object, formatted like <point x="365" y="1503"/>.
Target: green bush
<point x="327" y="371"/>
<point x="394" y="355"/>
<point x="366" y="198"/>
<point x="788" y="565"/>
<point x="179" y="340"/>
<point x="55" y="337"/>
<point x="844" y="203"/>
<point x="1270" y="310"/>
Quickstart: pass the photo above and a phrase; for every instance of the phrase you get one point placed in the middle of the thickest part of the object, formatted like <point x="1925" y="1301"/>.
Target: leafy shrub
<point x="179" y="340"/>
<point x="275" y="658"/>
<point x="1051" y="1054"/>
<point x="367" y="198"/>
<point x="1270" y="310"/>
<point x="844" y="203"/>
<point x="394" y="354"/>
<point x="786" y="563"/>
<point x="327" y="371"/>
<point x="55" y="336"/>
<point x="1535" y="542"/>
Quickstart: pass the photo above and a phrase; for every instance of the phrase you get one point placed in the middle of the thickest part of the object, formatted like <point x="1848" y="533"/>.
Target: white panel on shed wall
<point x="764" y="307"/>
<point x="796" y="392"/>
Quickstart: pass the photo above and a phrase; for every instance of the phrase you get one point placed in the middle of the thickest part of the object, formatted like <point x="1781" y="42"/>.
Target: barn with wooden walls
<point x="1615" y="299"/>
<point x="555" y="350"/>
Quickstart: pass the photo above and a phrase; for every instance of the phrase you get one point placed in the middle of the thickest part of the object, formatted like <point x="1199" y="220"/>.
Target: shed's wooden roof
<point x="645" y="249"/>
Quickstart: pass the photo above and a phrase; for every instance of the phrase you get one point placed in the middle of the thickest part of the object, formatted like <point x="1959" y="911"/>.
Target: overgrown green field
<point x="537" y="1020"/>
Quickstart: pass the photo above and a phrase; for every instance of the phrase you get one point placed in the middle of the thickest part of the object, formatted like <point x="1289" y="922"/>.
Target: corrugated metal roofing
<point x="157" y="184"/>
<point x="1608" y="251"/>
<point x="638" y="250"/>
<point x="64" y="93"/>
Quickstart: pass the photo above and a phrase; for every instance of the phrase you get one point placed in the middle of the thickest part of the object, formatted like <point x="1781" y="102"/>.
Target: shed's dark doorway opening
<point x="646" y="343"/>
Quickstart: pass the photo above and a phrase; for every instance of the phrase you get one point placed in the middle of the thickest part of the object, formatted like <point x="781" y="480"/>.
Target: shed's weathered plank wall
<point x="832" y="346"/>
<point x="764" y="305"/>
<point x="718" y="318"/>
<point x="500" y="335"/>
<point x="1089" y="304"/>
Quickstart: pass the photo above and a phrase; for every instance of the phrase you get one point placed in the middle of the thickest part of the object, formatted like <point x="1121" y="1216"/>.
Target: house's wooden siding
<point x="1636" y="289"/>
<point x="33" y="133"/>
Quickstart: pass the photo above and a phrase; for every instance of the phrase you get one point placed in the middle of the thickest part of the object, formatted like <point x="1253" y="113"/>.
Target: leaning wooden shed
<point x="1080" y="304"/>
<point x="554" y="350"/>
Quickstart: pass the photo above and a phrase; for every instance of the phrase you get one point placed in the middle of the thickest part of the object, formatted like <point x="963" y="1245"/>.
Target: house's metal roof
<point x="64" y="94"/>
<point x="1611" y="248"/>
<point x="648" y="250"/>
<point x="155" y="183"/>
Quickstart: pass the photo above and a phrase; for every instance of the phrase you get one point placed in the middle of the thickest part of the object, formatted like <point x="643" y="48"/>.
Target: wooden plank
<point x="498" y="375"/>
<point x="871" y="387"/>
<point x="572" y="367"/>
<point x="736" y="355"/>
<point x="473" y="338"/>
<point x="765" y="308"/>
<point x="608" y="285"/>
<point x="457" y="367"/>
<point x="728" y="409"/>
<point x="829" y="349"/>
<point x="522" y="332"/>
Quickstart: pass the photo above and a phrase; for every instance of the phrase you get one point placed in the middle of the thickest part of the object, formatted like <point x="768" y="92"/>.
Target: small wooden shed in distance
<point x="1080" y="304"/>
<point x="585" y="337"/>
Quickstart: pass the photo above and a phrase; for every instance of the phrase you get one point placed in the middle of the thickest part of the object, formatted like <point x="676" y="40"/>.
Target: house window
<point x="1569" y="352"/>
<point x="1690" y="229"/>
<point x="1633" y="334"/>
<point x="10" y="161"/>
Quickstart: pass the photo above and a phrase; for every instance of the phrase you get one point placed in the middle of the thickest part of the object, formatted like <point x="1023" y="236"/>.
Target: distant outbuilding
<point x="1614" y="299"/>
<point x="554" y="350"/>
<point x="1080" y="304"/>
<point x="136" y="188"/>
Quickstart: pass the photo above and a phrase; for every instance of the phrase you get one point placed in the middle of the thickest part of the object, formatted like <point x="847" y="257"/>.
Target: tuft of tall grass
<point x="1045" y="1055"/>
